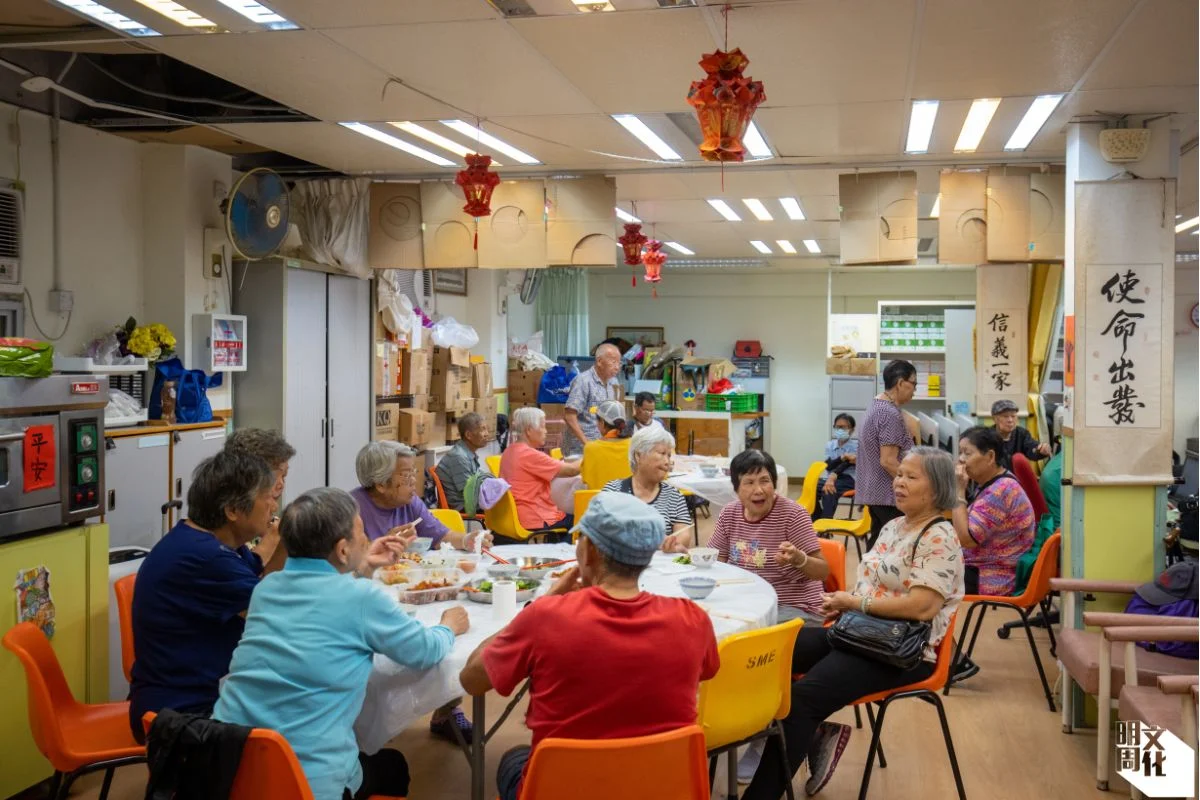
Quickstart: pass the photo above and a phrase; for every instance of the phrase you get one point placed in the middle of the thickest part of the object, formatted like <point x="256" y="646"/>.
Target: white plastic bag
<point x="448" y="332"/>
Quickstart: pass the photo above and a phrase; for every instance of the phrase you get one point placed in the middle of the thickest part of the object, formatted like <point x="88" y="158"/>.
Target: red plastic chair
<point x="76" y="738"/>
<point x="123" y="589"/>
<point x="1022" y="470"/>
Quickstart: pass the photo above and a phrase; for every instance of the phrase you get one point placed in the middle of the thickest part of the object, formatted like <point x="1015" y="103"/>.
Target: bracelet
<point x="865" y="605"/>
<point x="805" y="561"/>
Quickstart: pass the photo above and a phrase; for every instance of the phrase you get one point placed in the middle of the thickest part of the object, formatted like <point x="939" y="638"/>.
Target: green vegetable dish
<point x="523" y="585"/>
<point x="683" y="560"/>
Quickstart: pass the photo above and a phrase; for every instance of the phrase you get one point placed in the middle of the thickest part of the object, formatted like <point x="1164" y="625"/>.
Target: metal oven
<point x="51" y="451"/>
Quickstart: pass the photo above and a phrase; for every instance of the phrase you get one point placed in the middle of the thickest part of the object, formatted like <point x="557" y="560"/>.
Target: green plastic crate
<point x="735" y="403"/>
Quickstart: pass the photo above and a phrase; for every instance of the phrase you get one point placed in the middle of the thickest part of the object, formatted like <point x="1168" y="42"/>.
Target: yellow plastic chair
<point x="583" y="498"/>
<point x="605" y="460"/>
<point x="750" y="694"/>
<point x="501" y="519"/>
<point x="556" y="453"/>
<point x="450" y="518"/>
<point x="858" y="528"/>
<point x="493" y="463"/>
<point x="812" y="485"/>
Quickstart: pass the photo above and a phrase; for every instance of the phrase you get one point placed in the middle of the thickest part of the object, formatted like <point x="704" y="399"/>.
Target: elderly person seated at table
<point x="271" y="447"/>
<point x="643" y="413"/>
<point x="312" y="632"/>
<point x="529" y="471"/>
<point x="577" y="645"/>
<point x="607" y="458"/>
<point x="193" y="590"/>
<point x="838" y="478"/>
<point x="462" y="461"/>
<point x="651" y="451"/>
<point x="914" y="572"/>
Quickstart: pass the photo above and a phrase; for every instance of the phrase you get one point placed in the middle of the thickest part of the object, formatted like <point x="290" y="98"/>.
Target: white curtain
<point x="332" y="214"/>
<point x="562" y="312"/>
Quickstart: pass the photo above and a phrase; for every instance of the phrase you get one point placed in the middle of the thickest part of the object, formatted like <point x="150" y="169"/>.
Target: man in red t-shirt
<point x="596" y="646"/>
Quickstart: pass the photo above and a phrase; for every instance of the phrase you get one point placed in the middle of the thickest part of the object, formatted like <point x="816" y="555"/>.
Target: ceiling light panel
<point x="761" y="247"/>
<point x="678" y="248"/>
<point x="755" y="144"/>
<point x="399" y="144"/>
<point x="647" y="137"/>
<point x="438" y="140"/>
<point x="758" y="209"/>
<point x="593" y="5"/>
<point x="920" y="125"/>
<point x="1039" y="111"/>
<point x="791" y="207"/>
<point x="812" y="246"/>
<point x="109" y="18"/>
<point x="1190" y="223"/>
<point x="786" y="246"/>
<point x="482" y="137"/>
<point x="625" y="216"/>
<point x="724" y="210"/>
<point x="976" y="123"/>
<point x="179" y="14"/>
<point x="260" y="15"/>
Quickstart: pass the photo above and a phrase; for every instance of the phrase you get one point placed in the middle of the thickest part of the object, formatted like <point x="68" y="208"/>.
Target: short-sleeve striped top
<point x="669" y="502"/>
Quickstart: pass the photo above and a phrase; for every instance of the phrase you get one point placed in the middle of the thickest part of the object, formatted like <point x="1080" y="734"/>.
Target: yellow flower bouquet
<point x="153" y="342"/>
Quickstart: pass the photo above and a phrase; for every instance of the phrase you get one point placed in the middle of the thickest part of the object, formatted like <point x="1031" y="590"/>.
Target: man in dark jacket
<point x="1015" y="438"/>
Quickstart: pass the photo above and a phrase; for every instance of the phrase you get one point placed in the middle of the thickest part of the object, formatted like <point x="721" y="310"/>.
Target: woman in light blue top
<point x="838" y="478"/>
<point x="311" y="634"/>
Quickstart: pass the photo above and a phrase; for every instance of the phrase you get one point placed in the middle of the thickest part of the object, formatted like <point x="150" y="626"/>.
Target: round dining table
<point x="398" y="696"/>
<point x="716" y="489"/>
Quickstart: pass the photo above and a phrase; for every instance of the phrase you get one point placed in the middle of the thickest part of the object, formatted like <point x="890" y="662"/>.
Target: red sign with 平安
<point x="39" y="456"/>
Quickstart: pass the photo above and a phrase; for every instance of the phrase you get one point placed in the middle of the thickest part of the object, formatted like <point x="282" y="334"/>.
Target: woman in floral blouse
<point x="914" y="572"/>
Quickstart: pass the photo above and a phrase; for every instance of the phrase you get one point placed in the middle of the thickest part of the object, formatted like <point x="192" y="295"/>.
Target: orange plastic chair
<point x="663" y="766"/>
<point x="583" y="498"/>
<point x="1036" y="595"/>
<point x="927" y="690"/>
<point x="834" y="554"/>
<point x="123" y="589"/>
<point x="857" y="528"/>
<point x="441" y="496"/>
<point x="76" y="738"/>
<point x="269" y="769"/>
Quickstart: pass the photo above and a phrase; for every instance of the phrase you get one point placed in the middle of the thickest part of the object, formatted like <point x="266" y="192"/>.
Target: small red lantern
<point x="654" y="258"/>
<point x="632" y="243"/>
<point x="724" y="102"/>
<point x="477" y="183"/>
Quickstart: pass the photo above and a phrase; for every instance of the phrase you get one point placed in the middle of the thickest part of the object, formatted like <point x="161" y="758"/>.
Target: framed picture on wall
<point x="450" y="281"/>
<point x="645" y="336"/>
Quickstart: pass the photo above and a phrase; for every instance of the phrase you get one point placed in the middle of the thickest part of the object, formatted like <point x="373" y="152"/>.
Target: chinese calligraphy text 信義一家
<point x="1117" y="292"/>
<point x="999" y="370"/>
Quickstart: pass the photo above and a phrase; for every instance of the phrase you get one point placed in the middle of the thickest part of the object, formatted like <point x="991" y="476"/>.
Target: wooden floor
<point x="1008" y="743"/>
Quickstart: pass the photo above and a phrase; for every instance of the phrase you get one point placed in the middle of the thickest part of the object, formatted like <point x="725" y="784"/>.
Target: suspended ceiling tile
<point x="576" y="134"/>
<point x="332" y="146"/>
<point x="625" y="63"/>
<point x="303" y="70"/>
<point x="1156" y="48"/>
<point x="828" y="131"/>
<point x="672" y="211"/>
<point x="665" y="185"/>
<point x="981" y="48"/>
<point x="327" y="14"/>
<point x="762" y="180"/>
<point x="483" y="67"/>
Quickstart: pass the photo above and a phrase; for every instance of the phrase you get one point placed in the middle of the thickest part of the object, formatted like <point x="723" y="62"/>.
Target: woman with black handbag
<point x="914" y="575"/>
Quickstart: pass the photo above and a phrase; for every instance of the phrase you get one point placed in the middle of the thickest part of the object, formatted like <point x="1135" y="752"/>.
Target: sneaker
<point x="444" y="728"/>
<point x="965" y="668"/>
<point x="828" y="745"/>
<point x="748" y="763"/>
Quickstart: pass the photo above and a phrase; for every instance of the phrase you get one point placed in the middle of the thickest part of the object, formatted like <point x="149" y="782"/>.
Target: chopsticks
<point x="497" y="558"/>
<point x="551" y="564"/>
<point x="725" y="615"/>
<point x="729" y="581"/>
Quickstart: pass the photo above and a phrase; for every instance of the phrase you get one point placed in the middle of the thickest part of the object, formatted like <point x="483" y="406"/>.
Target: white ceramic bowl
<point x="703" y="557"/>
<point x="710" y="470"/>
<point x="697" y="587"/>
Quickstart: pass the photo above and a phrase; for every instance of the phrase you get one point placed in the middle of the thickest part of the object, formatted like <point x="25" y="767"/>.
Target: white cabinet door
<point x="960" y="357"/>
<point x="191" y="447"/>
<point x="349" y="358"/>
<point x="304" y="380"/>
<point x="136" y="487"/>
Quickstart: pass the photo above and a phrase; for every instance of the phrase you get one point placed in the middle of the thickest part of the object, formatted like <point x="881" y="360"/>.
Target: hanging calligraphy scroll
<point x="1001" y="335"/>
<point x="1123" y="403"/>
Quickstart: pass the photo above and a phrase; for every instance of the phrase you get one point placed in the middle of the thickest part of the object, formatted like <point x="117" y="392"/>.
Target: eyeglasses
<point x="407" y="476"/>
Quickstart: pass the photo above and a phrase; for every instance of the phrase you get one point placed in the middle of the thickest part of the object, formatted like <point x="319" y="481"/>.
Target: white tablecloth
<point x="718" y="490"/>
<point x="398" y="696"/>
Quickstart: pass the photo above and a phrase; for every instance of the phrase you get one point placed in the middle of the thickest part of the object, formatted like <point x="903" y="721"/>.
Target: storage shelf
<point x="915" y="352"/>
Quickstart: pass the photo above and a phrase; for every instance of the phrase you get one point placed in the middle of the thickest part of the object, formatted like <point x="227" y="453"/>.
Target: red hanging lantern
<point x="477" y="183"/>
<point x="632" y="243"/>
<point x="724" y="102"/>
<point x="653" y="259"/>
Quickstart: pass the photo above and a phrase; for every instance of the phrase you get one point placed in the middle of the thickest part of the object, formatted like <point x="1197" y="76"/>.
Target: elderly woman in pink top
<point x="529" y="471"/>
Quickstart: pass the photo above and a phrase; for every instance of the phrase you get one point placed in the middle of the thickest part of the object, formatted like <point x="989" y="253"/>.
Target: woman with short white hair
<point x="651" y="455"/>
<point x="529" y="471"/>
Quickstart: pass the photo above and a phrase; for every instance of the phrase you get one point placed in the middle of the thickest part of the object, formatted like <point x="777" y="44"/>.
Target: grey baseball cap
<point x="1001" y="406"/>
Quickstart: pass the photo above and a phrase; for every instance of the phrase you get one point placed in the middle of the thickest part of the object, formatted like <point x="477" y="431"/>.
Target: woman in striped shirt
<point x="651" y="450"/>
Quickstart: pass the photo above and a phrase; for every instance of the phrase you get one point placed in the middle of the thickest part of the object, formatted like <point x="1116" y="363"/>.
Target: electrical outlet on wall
<point x="62" y="300"/>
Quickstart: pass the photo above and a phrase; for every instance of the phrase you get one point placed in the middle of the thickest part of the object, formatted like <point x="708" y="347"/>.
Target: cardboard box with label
<point x="415" y="426"/>
<point x="481" y="380"/>
<point x="387" y="422"/>
<point x="415" y="371"/>
<point x="523" y="386"/>
<point x="387" y="375"/>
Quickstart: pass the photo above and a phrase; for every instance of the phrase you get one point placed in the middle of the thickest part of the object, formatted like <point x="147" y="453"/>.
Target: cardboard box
<point x="695" y="403"/>
<point x="437" y="431"/>
<point x="451" y="357"/>
<point x="386" y="369"/>
<point x="488" y="407"/>
<point x="554" y="410"/>
<point x="523" y="386"/>
<point x="415" y="371"/>
<point x="837" y="366"/>
<point x="464" y="405"/>
<point x="481" y="380"/>
<point x="387" y="422"/>
<point x="863" y="366"/>
<point x="452" y="434"/>
<point x="415" y="426"/>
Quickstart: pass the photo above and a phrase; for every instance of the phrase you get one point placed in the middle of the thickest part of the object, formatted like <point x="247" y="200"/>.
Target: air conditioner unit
<point x="12" y="232"/>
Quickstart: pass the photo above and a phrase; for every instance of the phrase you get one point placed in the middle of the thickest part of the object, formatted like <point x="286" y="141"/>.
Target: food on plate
<point x="485" y="587"/>
<point x="559" y="573"/>
<point x="396" y="573"/>
<point x="414" y="558"/>
<point x="467" y="564"/>
<point x="682" y="560"/>
<point x="426" y="585"/>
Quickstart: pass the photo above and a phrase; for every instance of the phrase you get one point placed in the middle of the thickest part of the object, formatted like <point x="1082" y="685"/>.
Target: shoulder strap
<point x="917" y="541"/>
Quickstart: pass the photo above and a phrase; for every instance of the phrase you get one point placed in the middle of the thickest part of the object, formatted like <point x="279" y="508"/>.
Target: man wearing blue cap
<point x="607" y="660"/>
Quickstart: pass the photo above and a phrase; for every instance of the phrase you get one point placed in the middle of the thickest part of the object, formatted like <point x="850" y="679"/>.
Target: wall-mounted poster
<point x="645" y="336"/>
<point x="1001" y="335"/>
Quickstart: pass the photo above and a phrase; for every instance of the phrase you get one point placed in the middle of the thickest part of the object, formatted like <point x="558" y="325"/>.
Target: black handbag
<point x="897" y="642"/>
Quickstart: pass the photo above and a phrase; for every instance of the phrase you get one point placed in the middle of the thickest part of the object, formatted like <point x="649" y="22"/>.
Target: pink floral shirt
<point x="891" y="569"/>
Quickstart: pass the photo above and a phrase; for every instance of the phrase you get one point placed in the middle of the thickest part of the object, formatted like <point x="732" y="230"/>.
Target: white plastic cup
<point x="504" y="600"/>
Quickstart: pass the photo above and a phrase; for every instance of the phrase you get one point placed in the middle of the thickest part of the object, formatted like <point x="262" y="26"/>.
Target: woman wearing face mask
<point x="838" y="478"/>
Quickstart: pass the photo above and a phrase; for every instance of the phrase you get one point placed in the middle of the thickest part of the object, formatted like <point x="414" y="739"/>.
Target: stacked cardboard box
<point x="450" y="391"/>
<point x="523" y="387"/>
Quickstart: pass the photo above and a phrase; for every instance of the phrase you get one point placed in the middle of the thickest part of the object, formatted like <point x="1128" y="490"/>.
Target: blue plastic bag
<point x="556" y="384"/>
<point x="191" y="391"/>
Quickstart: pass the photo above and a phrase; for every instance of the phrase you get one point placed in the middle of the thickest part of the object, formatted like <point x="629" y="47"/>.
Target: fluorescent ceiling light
<point x="978" y="118"/>
<point x="755" y="144"/>
<point x="678" y="248"/>
<point x="786" y="246"/>
<point x="260" y="14"/>
<point x="812" y="246"/>
<point x="761" y="247"/>
<point x="647" y="137"/>
<point x="177" y="13"/>
<point x="792" y="206"/>
<point x="437" y="139"/>
<point x="920" y="126"/>
<point x="625" y="216"/>
<point x="399" y="144"/>
<point x="1039" y="111"/>
<point x="758" y="209"/>
<point x="937" y="206"/>
<point x="483" y="137"/>
<point x="1191" y="223"/>
<point x="593" y="5"/>
<point x="724" y="210"/>
<point x="106" y="16"/>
